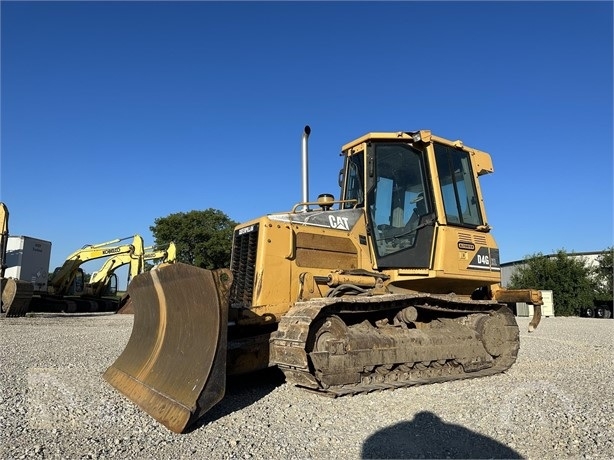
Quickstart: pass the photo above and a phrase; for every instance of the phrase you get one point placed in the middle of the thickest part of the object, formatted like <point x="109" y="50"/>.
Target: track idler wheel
<point x="331" y="335"/>
<point x="499" y="334"/>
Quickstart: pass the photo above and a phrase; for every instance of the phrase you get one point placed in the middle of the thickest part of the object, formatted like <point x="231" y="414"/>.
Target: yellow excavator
<point x="16" y="294"/>
<point x="66" y="290"/>
<point x="62" y="281"/>
<point x="396" y="283"/>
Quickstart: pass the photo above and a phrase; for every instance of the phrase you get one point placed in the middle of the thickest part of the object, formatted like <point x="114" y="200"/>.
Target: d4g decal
<point x="485" y="259"/>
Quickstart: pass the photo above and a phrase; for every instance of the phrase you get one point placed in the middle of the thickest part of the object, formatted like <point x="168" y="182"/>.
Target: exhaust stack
<point x="305" y="167"/>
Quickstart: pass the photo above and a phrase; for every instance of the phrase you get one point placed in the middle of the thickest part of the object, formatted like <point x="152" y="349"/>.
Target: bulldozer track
<point x="470" y="326"/>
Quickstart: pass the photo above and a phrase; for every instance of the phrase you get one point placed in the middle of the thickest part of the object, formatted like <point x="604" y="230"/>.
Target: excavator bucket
<point x="174" y="365"/>
<point x="125" y="306"/>
<point x="16" y="296"/>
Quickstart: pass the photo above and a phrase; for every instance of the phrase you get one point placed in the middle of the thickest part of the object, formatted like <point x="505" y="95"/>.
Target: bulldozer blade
<point x="174" y="365"/>
<point x="16" y="296"/>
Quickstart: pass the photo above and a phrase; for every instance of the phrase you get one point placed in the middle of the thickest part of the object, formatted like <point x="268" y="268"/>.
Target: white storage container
<point x="28" y="259"/>
<point x="548" y="306"/>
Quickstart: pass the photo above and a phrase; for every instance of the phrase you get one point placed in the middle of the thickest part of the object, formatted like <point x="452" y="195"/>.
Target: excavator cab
<point x="77" y="285"/>
<point x="110" y="286"/>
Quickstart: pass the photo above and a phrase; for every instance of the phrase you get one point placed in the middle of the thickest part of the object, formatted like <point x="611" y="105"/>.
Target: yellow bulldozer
<point x="396" y="283"/>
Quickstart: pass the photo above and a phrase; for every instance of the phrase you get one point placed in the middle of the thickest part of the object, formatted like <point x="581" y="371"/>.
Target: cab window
<point x="399" y="202"/>
<point x="354" y="173"/>
<point x="457" y="186"/>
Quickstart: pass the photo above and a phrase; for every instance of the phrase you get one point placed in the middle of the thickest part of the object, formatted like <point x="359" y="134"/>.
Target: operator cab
<point x="396" y="178"/>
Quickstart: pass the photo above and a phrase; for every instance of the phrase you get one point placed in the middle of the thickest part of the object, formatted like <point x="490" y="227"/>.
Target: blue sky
<point x="116" y="113"/>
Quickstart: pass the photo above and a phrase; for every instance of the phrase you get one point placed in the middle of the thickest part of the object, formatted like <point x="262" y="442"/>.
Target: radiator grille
<point x="243" y="266"/>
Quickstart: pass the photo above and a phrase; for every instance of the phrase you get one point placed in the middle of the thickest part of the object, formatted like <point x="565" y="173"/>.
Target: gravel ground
<point x="555" y="402"/>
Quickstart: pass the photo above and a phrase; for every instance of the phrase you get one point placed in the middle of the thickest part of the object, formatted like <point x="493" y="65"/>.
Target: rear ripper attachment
<point x="174" y="365"/>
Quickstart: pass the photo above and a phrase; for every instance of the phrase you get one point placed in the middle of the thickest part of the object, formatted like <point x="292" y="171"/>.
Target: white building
<point x="508" y="268"/>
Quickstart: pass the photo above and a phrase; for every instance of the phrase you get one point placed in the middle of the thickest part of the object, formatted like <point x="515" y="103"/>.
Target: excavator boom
<point x="136" y="258"/>
<point x="168" y="255"/>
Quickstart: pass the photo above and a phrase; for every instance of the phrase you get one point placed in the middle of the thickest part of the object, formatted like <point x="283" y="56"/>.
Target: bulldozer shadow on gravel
<point x="241" y="392"/>
<point x="427" y="436"/>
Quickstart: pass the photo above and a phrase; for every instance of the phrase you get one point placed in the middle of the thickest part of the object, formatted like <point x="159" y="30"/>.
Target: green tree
<point x="604" y="274"/>
<point x="203" y="238"/>
<point x="568" y="277"/>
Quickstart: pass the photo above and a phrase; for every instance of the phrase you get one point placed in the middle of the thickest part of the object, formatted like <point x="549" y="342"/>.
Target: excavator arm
<point x="168" y="255"/>
<point x="101" y="278"/>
